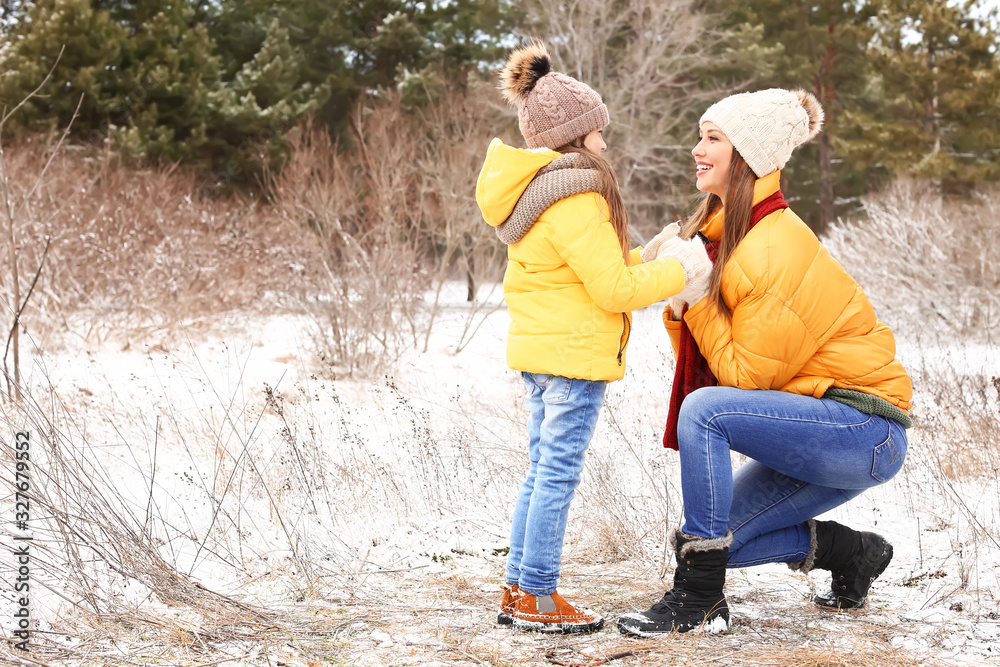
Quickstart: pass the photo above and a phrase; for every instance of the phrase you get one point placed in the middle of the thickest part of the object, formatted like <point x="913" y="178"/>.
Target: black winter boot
<point x="855" y="558"/>
<point x="696" y="600"/>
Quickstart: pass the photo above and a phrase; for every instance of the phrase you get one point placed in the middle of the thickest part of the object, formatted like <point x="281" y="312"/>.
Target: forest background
<point x="308" y="167"/>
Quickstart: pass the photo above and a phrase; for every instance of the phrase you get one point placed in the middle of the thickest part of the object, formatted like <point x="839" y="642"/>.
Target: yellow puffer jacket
<point x="568" y="290"/>
<point x="800" y="323"/>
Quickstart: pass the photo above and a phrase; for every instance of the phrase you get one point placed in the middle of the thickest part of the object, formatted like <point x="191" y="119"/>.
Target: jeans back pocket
<point x="555" y="388"/>
<point x="889" y="456"/>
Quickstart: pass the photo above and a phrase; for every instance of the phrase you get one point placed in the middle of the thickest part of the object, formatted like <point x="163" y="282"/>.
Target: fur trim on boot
<point x="691" y="543"/>
<point x="806" y="565"/>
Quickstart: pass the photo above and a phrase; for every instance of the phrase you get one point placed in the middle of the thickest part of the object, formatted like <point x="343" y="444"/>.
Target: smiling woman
<point x="783" y="360"/>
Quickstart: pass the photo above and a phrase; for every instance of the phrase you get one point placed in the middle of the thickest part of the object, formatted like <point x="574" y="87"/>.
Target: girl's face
<point x="713" y="156"/>
<point x="594" y="142"/>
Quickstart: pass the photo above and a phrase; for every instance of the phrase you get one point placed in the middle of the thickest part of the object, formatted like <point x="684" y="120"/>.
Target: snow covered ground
<point x="382" y="504"/>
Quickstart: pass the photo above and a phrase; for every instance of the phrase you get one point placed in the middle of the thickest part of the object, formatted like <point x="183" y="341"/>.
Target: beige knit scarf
<point x="565" y="176"/>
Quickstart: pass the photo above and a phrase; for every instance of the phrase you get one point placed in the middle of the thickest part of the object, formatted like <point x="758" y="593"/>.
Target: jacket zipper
<point x="626" y="332"/>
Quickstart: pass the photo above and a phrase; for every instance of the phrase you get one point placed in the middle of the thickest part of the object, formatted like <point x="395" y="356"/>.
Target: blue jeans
<point x="561" y="421"/>
<point x="808" y="455"/>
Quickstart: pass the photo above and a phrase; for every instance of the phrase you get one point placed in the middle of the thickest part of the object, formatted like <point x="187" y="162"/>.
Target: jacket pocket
<point x="889" y="456"/>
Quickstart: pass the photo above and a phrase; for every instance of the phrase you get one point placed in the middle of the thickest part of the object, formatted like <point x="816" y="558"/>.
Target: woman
<point x="781" y="359"/>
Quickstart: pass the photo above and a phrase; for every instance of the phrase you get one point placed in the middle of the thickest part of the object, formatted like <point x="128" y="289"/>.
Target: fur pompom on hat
<point x="766" y="125"/>
<point x="552" y="109"/>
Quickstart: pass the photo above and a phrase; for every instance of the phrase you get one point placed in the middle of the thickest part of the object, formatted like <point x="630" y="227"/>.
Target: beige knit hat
<point x="765" y="126"/>
<point x="552" y="109"/>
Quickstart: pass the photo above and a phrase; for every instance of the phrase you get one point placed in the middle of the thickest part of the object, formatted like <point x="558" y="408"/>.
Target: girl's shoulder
<point x="579" y="210"/>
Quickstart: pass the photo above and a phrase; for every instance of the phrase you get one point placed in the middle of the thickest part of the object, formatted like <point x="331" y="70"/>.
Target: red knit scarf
<point x="693" y="371"/>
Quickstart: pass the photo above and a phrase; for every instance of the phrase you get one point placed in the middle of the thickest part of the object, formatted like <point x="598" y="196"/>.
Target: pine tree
<point x="92" y="47"/>
<point x="821" y="46"/>
<point x="936" y="84"/>
<point x="218" y="85"/>
<point x="355" y="48"/>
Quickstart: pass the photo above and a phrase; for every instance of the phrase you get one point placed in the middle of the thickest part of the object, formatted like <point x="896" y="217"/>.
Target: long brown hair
<point x="736" y="217"/>
<point x="607" y="187"/>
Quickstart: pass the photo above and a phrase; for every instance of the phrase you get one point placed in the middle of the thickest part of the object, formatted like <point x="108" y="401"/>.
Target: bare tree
<point x="642" y="57"/>
<point x="461" y="127"/>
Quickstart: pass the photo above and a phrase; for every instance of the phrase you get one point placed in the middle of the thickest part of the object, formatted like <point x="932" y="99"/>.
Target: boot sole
<point x="833" y="601"/>
<point x="557" y="628"/>
<point x="503" y="618"/>
<point x="629" y="626"/>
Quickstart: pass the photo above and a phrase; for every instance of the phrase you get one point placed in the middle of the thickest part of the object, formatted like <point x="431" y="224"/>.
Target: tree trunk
<point x="826" y="212"/>
<point x="825" y="92"/>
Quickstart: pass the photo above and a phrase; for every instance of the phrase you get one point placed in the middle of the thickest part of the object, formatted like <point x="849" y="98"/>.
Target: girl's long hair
<point x="607" y="187"/>
<point x="735" y="223"/>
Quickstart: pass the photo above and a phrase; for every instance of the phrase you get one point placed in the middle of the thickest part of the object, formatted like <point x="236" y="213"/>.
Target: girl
<point x="570" y="284"/>
<point x="783" y="360"/>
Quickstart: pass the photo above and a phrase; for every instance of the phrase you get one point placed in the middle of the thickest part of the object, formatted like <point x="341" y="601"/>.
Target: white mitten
<point x="697" y="270"/>
<point x="667" y="233"/>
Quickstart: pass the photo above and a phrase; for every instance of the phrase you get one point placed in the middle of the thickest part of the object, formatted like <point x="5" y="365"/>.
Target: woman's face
<point x="594" y="142"/>
<point x="712" y="157"/>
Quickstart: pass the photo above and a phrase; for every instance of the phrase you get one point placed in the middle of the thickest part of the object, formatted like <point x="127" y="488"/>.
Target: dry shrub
<point x="457" y="132"/>
<point x="396" y="218"/>
<point x="366" y="304"/>
<point x="928" y="266"/>
<point x="136" y="248"/>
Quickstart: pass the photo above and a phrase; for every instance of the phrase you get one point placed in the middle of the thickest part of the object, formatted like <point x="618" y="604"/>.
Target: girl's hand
<point x="670" y="231"/>
<point x="697" y="270"/>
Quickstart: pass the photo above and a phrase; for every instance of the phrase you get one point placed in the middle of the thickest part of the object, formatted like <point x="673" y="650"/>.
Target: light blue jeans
<point x="808" y="455"/>
<point x="562" y="416"/>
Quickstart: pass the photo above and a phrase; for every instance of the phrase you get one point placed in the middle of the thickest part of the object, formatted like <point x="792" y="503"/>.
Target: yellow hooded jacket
<point x="800" y="323"/>
<point x="568" y="290"/>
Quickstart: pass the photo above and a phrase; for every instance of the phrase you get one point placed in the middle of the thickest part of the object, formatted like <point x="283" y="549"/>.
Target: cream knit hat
<point x="765" y="126"/>
<point x="552" y="109"/>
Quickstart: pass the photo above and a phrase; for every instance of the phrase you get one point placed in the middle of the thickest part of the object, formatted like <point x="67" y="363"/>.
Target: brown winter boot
<point x="551" y="613"/>
<point x="506" y="614"/>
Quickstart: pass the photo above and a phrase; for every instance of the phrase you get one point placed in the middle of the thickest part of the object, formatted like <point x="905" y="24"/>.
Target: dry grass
<point x="136" y="249"/>
<point x="928" y="265"/>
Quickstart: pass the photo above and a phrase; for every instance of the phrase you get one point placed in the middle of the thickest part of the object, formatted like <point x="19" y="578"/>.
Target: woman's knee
<point x="700" y="407"/>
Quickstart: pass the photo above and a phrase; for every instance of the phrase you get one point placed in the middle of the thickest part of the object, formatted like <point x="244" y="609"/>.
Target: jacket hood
<point x="506" y="172"/>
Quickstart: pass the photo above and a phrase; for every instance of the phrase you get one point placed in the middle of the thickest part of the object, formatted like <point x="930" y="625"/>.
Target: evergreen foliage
<point x="820" y="47"/>
<point x="934" y="94"/>
<point x="219" y="85"/>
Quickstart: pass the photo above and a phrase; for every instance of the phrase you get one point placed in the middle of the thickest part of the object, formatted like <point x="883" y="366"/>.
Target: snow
<point x="267" y="471"/>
